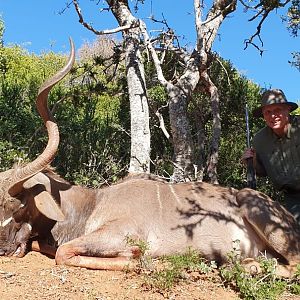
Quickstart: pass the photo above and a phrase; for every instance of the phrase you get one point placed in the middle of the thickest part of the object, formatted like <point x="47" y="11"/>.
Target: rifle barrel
<point x="251" y="181"/>
<point x="247" y="126"/>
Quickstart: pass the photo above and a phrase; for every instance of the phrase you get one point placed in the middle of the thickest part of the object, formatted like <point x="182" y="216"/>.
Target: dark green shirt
<point x="279" y="158"/>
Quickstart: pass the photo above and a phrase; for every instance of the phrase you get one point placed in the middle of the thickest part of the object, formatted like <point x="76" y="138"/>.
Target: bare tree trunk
<point x="212" y="160"/>
<point x="139" y="111"/>
<point x="182" y="139"/>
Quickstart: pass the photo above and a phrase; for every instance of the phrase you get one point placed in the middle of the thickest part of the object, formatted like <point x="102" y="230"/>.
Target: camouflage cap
<point x="274" y="96"/>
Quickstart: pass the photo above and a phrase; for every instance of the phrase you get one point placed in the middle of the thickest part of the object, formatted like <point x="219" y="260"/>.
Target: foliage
<point x="161" y="150"/>
<point x="20" y="76"/>
<point x="97" y="149"/>
<point x="294" y="284"/>
<point x="87" y="106"/>
<point x="292" y="20"/>
<point x="2" y="28"/>
<point x="174" y="268"/>
<point x="10" y="155"/>
<point x="296" y="112"/>
<point x="264" y="285"/>
<point x="293" y="17"/>
<point x="296" y="60"/>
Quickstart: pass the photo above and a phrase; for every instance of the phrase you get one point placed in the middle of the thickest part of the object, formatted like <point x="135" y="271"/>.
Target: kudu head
<point x="17" y="185"/>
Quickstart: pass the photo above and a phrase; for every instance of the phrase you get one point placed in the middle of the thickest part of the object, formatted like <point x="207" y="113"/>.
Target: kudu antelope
<point x="91" y="227"/>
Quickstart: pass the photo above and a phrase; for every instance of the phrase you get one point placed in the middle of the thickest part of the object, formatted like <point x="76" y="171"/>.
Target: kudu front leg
<point x="253" y="267"/>
<point x="93" y="252"/>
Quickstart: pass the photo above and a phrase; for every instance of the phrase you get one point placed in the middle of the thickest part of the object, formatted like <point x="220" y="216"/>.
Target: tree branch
<point x="162" y="122"/>
<point x="100" y="32"/>
<point x="154" y="55"/>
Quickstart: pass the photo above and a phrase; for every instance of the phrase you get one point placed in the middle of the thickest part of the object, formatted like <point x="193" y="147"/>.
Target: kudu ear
<point x="43" y="200"/>
<point x="48" y="206"/>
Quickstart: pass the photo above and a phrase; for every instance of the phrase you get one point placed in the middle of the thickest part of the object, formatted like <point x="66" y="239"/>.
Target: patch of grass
<point x="144" y="261"/>
<point x="263" y="286"/>
<point x="171" y="269"/>
<point x="294" y="283"/>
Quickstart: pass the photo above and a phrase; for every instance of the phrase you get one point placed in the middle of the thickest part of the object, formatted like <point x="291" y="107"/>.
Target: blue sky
<point x="40" y="26"/>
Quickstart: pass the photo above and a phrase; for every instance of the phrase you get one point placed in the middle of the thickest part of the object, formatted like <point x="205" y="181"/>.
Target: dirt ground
<point x="37" y="277"/>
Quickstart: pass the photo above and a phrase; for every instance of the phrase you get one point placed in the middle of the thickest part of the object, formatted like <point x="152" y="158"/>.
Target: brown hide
<point x="93" y="227"/>
<point x="170" y="218"/>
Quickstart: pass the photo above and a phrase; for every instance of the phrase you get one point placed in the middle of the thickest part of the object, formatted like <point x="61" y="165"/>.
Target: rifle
<point x="251" y="181"/>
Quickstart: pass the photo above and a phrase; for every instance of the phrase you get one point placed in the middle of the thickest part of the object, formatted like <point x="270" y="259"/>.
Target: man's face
<point x="276" y="116"/>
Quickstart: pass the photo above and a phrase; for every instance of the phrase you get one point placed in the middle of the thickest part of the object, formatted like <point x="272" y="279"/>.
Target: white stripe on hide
<point x="6" y="222"/>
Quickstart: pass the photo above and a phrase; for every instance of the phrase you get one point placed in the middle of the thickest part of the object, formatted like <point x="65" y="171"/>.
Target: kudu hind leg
<point x="93" y="251"/>
<point x="273" y="224"/>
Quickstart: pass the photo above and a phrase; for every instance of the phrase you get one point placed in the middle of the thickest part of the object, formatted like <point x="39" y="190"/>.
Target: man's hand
<point x="249" y="153"/>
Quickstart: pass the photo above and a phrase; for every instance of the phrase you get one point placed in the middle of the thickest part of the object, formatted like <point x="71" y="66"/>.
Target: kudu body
<point x="92" y="227"/>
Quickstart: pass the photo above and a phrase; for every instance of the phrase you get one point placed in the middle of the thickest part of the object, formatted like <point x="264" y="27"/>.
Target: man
<point x="276" y="147"/>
